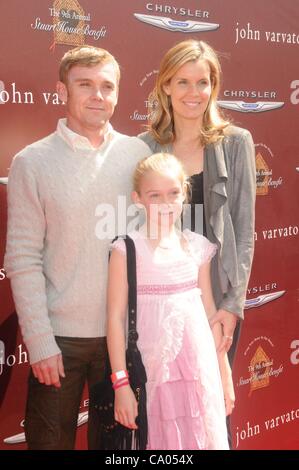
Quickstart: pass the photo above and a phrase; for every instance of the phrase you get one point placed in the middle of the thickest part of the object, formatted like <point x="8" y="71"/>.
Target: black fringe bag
<point x="112" y="435"/>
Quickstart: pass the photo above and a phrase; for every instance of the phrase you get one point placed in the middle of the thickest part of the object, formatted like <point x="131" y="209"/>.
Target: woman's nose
<point x="193" y="88"/>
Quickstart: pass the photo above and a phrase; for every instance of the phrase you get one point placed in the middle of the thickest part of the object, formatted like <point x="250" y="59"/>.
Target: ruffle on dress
<point x="184" y="385"/>
<point x="200" y="247"/>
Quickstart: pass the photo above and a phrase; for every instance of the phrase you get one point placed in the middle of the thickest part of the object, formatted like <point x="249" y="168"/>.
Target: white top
<point x="54" y="257"/>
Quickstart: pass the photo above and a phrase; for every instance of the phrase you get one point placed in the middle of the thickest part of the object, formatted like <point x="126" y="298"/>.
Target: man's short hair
<point x="87" y="56"/>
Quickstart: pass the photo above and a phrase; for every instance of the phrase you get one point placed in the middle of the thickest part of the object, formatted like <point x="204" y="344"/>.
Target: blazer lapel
<point x="219" y="223"/>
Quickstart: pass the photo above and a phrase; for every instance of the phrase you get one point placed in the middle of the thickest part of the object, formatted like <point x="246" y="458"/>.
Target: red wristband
<point x="120" y="374"/>
<point x="125" y="379"/>
<point x="122" y="384"/>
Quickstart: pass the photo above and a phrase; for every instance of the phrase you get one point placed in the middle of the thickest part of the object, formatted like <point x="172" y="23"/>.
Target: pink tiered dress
<point x="185" y="403"/>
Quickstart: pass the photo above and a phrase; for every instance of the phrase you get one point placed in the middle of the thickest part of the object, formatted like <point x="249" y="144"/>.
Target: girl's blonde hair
<point x="160" y="163"/>
<point x="161" y="121"/>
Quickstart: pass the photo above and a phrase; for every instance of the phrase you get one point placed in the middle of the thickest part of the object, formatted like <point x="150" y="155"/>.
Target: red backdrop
<point x="260" y="91"/>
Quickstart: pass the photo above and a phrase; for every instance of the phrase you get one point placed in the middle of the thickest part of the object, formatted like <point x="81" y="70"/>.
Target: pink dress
<point x="185" y="403"/>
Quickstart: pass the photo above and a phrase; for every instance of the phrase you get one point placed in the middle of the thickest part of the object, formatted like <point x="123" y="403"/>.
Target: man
<point x="56" y="263"/>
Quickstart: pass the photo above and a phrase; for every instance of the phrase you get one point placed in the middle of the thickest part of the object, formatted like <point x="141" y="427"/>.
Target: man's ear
<point x="61" y="91"/>
<point x="117" y="94"/>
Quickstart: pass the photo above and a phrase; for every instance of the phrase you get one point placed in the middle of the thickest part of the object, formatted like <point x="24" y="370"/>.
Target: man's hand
<point x="228" y="322"/>
<point x="48" y="371"/>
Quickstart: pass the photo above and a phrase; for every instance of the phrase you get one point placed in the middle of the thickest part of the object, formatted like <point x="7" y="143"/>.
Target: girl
<point x="185" y="402"/>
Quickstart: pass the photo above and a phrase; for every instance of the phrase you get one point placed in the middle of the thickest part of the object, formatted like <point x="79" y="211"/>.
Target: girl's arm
<point x="125" y="406"/>
<point x="204" y="282"/>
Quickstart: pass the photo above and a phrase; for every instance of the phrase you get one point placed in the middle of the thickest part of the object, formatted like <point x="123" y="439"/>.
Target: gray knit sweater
<point x="55" y="257"/>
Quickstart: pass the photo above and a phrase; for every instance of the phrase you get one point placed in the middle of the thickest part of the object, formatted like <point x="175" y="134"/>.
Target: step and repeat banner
<point x="259" y="46"/>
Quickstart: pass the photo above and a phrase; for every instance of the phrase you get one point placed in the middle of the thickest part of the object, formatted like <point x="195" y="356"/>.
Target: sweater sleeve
<point x="150" y="142"/>
<point x="24" y="259"/>
<point x="243" y="219"/>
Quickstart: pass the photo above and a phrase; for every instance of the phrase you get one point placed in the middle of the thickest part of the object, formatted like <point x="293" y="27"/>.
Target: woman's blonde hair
<point x="87" y="56"/>
<point x="161" y="122"/>
<point x="160" y="163"/>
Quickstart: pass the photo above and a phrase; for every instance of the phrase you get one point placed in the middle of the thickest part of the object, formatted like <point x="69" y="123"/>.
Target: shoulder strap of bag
<point x="132" y="293"/>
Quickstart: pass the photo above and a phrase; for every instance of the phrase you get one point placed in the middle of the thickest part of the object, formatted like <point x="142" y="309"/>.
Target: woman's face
<point x="190" y="90"/>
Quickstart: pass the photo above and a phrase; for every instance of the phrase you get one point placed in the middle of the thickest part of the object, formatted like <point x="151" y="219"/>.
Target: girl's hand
<point x="227" y="383"/>
<point x="126" y="407"/>
<point x="229" y="393"/>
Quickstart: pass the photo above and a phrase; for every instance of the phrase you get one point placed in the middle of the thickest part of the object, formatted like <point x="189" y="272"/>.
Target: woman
<point x="220" y="161"/>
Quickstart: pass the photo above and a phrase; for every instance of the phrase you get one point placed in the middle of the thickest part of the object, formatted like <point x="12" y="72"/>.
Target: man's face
<point x="90" y="95"/>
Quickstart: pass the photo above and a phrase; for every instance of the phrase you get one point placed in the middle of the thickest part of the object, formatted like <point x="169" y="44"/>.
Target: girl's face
<point x="162" y="197"/>
<point x="190" y="90"/>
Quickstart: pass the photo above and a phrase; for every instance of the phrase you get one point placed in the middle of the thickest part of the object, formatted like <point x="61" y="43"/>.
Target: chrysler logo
<point x="187" y="26"/>
<point x="262" y="299"/>
<point x="244" y="107"/>
<point x="18" y="438"/>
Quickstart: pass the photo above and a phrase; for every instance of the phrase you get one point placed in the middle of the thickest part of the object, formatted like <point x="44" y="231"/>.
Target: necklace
<point x="166" y="247"/>
<point x="169" y="245"/>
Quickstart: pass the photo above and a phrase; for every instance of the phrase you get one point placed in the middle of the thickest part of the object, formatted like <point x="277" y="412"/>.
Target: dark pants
<point x="231" y="356"/>
<point x="52" y="413"/>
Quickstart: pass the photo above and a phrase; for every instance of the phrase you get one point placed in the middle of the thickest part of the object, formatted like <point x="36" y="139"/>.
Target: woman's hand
<point x="228" y="322"/>
<point x="126" y="407"/>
